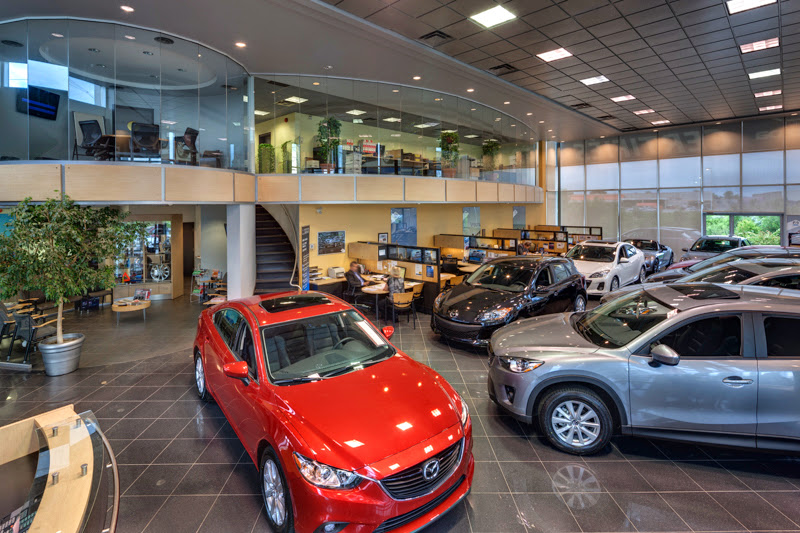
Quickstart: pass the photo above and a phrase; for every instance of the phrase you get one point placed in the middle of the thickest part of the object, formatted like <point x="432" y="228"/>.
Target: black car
<point x="504" y="290"/>
<point x="737" y="254"/>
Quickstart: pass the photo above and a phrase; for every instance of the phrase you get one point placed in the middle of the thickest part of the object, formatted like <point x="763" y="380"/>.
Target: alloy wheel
<point x="580" y="304"/>
<point x="614" y="284"/>
<point x="575" y="423"/>
<point x="199" y="376"/>
<point x="274" y="495"/>
<point x="642" y="275"/>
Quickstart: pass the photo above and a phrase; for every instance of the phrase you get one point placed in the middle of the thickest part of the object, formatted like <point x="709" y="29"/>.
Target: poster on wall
<point x="330" y="242"/>
<point x="793" y="230"/>
<point x="305" y="237"/>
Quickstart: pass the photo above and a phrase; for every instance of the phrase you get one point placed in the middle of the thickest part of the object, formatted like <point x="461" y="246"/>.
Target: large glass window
<point x="404" y="225"/>
<point x="471" y="220"/>
<point x="637" y="174"/>
<point x="602" y="209"/>
<point x="680" y="172"/>
<point x="639" y="214"/>
<point x="721" y="170"/>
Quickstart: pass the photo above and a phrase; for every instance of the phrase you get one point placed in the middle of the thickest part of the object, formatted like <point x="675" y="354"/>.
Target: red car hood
<point x="357" y="419"/>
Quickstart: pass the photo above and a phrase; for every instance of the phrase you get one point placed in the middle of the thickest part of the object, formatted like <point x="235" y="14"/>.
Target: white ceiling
<point x="305" y="36"/>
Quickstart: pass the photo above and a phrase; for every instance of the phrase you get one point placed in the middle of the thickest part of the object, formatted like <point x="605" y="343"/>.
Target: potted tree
<point x="490" y="150"/>
<point x="328" y="132"/>
<point x="448" y="142"/>
<point x="61" y="248"/>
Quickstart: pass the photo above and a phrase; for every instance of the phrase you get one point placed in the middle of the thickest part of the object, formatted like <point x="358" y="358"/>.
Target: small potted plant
<point x="448" y="142"/>
<point x="328" y="132"/>
<point x="62" y="249"/>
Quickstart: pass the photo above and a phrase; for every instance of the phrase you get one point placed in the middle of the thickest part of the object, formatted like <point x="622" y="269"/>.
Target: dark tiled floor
<point x="182" y="469"/>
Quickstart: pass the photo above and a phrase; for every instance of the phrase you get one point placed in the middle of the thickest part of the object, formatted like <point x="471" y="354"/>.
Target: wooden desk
<point x="128" y="305"/>
<point x="445" y="276"/>
<point x="468" y="269"/>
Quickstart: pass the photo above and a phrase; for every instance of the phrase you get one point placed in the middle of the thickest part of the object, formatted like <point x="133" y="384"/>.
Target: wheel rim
<point x="580" y="304"/>
<point x="575" y="423"/>
<point x="199" y="376"/>
<point x="642" y="275"/>
<point x="274" y="497"/>
<point x="614" y="284"/>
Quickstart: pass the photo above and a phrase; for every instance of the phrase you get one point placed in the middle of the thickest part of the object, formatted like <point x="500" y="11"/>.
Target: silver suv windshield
<point x="321" y="347"/>
<point x="620" y="321"/>
<point x="601" y="254"/>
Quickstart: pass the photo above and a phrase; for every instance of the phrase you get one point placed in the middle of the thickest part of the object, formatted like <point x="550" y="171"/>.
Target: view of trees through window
<point x="758" y="229"/>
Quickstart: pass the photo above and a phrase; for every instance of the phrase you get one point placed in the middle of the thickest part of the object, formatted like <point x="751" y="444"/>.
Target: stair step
<point x="274" y="267"/>
<point x="260" y="248"/>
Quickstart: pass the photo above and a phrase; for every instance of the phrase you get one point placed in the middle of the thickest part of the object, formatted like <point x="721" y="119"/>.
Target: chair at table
<point x="144" y="141"/>
<point x="402" y="302"/>
<point x="6" y="322"/>
<point x="457" y="280"/>
<point x="94" y="144"/>
<point x="353" y="292"/>
<point x="418" y="298"/>
<point x="31" y="329"/>
<point x="186" y="147"/>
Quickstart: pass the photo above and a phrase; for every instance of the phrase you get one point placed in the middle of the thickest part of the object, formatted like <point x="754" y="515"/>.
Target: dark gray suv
<point x="704" y="363"/>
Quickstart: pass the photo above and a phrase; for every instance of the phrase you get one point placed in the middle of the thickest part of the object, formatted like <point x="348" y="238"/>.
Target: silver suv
<point x="703" y="362"/>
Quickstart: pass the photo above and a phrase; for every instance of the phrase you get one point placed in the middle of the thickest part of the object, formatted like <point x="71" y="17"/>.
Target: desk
<point x="128" y="305"/>
<point x="446" y="277"/>
<point x="381" y="289"/>
<point x="468" y="268"/>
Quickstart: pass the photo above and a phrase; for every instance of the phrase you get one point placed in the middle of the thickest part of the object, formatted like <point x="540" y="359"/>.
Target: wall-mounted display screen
<point x="38" y="103"/>
<point x="330" y="242"/>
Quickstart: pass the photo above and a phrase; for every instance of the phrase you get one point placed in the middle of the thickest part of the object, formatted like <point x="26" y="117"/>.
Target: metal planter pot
<point x="61" y="358"/>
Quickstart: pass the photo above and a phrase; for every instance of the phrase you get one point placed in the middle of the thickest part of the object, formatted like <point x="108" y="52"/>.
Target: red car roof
<point x="327" y="304"/>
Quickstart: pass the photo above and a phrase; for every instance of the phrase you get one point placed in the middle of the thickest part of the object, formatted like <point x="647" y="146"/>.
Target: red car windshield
<point x="321" y="347"/>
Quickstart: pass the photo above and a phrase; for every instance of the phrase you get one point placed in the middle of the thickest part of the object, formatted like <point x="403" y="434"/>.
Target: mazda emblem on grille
<point x="431" y="469"/>
<point x="453" y="313"/>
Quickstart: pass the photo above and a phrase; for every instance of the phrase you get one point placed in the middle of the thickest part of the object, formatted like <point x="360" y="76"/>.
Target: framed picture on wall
<point x="330" y="242"/>
<point x="383" y="237"/>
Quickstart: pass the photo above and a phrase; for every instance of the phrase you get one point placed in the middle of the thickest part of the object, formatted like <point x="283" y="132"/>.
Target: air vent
<point x="629" y="128"/>
<point x="435" y="38"/>
<point x="163" y="40"/>
<point x="605" y="117"/>
<point x="502" y="70"/>
<point x="582" y="105"/>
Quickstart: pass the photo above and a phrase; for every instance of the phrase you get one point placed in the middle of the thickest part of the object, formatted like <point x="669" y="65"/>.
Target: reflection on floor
<point x="183" y="470"/>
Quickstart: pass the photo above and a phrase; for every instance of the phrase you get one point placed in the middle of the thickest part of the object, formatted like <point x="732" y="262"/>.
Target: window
<point x="518" y="219"/>
<point x="404" y="225"/>
<point x="87" y="92"/>
<point x="471" y="220"/>
<point x="719" y="336"/>
<point x="561" y="272"/>
<point x="791" y="281"/>
<point x="227" y="322"/>
<point x="502" y="277"/>
<point x="543" y="279"/>
<point x="781" y="336"/>
<point x="247" y="351"/>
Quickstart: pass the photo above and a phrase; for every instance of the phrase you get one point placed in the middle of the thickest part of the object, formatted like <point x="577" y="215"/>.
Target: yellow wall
<point x="364" y="222"/>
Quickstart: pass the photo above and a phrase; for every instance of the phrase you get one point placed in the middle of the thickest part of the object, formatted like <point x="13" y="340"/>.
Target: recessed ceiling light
<point x="548" y="131"/>
<point x="426" y="125"/>
<point x="492" y="17"/>
<point x="513" y="125"/>
<point x="552" y="136"/>
<point x="357" y="121"/>
<point x="506" y="103"/>
<point x="794" y="114"/>
<point x="315" y="83"/>
<point x="396" y="135"/>
<point x="240" y="44"/>
<point x="170" y="122"/>
<point x="470" y="90"/>
<point x="659" y="122"/>
<point x="222" y="138"/>
<point x="327" y="67"/>
<point x="448" y="131"/>
<point x="553" y="55"/>
<point x="595" y="80"/>
<point x="768" y="93"/>
<point x="132" y="38"/>
<point x="770" y="108"/>
<point x="623" y="98"/>
<point x="261" y="113"/>
<point x="364" y="135"/>
<point x="356" y="112"/>
<point x="58" y="35"/>
<point x="718" y="123"/>
<point x="296" y="99"/>
<point x="737" y="6"/>
<point x="764" y="73"/>
<point x="492" y="140"/>
<point x="643" y="111"/>
<point x="416" y="78"/>
<point x="541" y="122"/>
<point x="127" y="9"/>
<point x="472" y="109"/>
<point x="602" y="136"/>
<point x="529" y="114"/>
<point x="471" y="136"/>
<point x="392" y="119"/>
<point x="498" y="119"/>
<point x="760" y="45"/>
<point x="395" y="90"/>
<point x="437" y="99"/>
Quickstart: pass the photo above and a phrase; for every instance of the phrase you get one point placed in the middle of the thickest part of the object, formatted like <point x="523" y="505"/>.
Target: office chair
<point x="145" y="141"/>
<point x="93" y="143"/>
<point x="186" y="147"/>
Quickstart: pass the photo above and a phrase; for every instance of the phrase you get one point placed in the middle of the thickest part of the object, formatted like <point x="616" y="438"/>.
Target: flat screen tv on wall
<point x="38" y="103"/>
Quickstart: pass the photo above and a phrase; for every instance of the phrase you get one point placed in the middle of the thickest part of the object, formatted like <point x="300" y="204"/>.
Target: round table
<point x="128" y="305"/>
<point x="469" y="269"/>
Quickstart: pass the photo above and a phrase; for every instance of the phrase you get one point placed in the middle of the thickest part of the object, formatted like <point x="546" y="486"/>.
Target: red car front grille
<point x="411" y="482"/>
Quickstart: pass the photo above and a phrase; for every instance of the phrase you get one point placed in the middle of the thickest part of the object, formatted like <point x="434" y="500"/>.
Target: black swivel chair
<point x="145" y="141"/>
<point x="93" y="145"/>
<point x="186" y="147"/>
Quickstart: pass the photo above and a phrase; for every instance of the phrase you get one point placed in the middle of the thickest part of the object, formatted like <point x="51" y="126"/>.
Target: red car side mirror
<point x="237" y="370"/>
<point x="388" y="331"/>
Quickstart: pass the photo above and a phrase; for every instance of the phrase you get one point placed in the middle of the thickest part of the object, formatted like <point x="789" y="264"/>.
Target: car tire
<point x="614" y="284"/>
<point x="575" y="403"/>
<point x="200" y="383"/>
<point x="579" y="304"/>
<point x="276" y="495"/>
<point x="671" y="260"/>
<point x="642" y="275"/>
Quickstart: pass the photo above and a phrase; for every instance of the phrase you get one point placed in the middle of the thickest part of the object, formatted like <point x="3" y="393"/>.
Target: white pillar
<point x="241" y="250"/>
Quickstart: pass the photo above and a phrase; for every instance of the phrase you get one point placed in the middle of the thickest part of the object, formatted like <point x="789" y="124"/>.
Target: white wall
<point x="213" y="239"/>
<point x="241" y="250"/>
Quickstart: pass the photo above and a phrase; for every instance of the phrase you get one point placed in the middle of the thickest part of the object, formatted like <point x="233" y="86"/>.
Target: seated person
<point x="354" y="277"/>
<point x="523" y="248"/>
<point x="395" y="283"/>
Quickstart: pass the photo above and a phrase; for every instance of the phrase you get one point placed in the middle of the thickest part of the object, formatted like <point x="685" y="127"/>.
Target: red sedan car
<point x="349" y="434"/>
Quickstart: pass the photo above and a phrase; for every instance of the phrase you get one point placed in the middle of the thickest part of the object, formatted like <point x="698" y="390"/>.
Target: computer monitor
<point x="477" y="256"/>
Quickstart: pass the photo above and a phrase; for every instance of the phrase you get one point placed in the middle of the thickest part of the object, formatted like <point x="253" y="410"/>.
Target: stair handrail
<point x="296" y="255"/>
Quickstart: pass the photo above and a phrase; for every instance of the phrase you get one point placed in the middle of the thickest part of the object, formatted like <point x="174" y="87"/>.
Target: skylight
<point x="492" y="17"/>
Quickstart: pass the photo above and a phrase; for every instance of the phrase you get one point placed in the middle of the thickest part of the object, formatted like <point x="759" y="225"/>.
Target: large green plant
<point x="61" y="248"/>
<point x="448" y="142"/>
<point x="328" y="132"/>
<point x="490" y="149"/>
<point x="286" y="153"/>
<point x="266" y="158"/>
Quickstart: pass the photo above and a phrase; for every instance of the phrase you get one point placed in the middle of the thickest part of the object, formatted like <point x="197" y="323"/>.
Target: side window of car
<point x="543" y="279"/>
<point x="631" y="250"/>
<point x="247" y="350"/>
<point x="720" y="336"/>
<point x="621" y="252"/>
<point x="560" y="272"/>
<point x="781" y="334"/>
<point x="782" y="282"/>
<point x="227" y="322"/>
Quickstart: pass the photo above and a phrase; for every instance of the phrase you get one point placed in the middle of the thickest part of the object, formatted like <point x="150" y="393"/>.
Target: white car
<point x="608" y="265"/>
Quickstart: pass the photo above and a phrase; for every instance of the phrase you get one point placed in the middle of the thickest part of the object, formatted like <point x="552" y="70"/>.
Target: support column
<point x="241" y="250"/>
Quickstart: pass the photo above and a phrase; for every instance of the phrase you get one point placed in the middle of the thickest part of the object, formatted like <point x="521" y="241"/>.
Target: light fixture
<point x="659" y="122"/>
<point x="392" y="119"/>
<point x="643" y="111"/>
<point x="513" y="125"/>
<point x="296" y="99"/>
<point x="718" y="123"/>
<point x="737" y="6"/>
<point x="404" y="426"/>
<point x="395" y="90"/>
<point x="498" y="119"/>
<point x="355" y="112"/>
<point x="127" y="9"/>
<point x="764" y="73"/>
<point x="170" y="122"/>
<point x="595" y="80"/>
<point x="494" y="16"/>
<point x="470" y="90"/>
<point x="472" y="109"/>
<point x="541" y="122"/>
<point x="770" y="108"/>
<point x="261" y="113"/>
<point x="553" y="55"/>
<point x="426" y="125"/>
<point x="548" y="131"/>
<point x="448" y="131"/>
<point x="768" y="93"/>
<point x="623" y="98"/>
<point x="437" y="99"/>
<point x="315" y="83"/>
<point x="529" y="114"/>
<point x="760" y="45"/>
<point x="58" y="35"/>
<point x="471" y="136"/>
<point x="602" y="136"/>
<point x="132" y="38"/>
<point x="222" y="138"/>
<point x="240" y="44"/>
<point x="794" y="114"/>
<point x="506" y="103"/>
<point x="416" y="78"/>
<point x="358" y="121"/>
<point x="365" y="136"/>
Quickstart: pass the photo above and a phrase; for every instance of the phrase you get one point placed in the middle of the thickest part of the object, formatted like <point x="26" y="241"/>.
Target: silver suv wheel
<point x="575" y="423"/>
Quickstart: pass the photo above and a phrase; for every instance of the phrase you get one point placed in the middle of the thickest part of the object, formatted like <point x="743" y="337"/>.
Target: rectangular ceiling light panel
<point x="553" y="55"/>
<point x="764" y="73"/>
<point x="492" y="17"/>
<point x="770" y="108"/>
<point x="760" y="45"/>
<point x="296" y="99"/>
<point x="624" y="98"/>
<point x="737" y="6"/>
<point x="644" y="111"/>
<point x="595" y="80"/>
<point x="768" y="93"/>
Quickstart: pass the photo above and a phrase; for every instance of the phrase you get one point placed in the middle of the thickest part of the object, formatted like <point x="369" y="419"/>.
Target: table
<point x="128" y="305"/>
<point x="444" y="276"/>
<point x="468" y="268"/>
<point x="379" y="290"/>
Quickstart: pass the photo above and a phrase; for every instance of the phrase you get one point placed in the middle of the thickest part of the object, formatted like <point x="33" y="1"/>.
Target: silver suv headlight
<point x="326" y="476"/>
<point x="519" y="365"/>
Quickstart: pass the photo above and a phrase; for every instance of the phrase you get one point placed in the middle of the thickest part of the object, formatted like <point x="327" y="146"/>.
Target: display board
<point x="305" y="236"/>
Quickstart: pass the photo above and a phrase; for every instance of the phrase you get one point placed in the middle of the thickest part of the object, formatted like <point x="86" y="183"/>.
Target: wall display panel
<point x="721" y="170"/>
<point x="679" y="172"/>
<point x="636" y="174"/>
<point x="638" y="211"/>
<point x="762" y="199"/>
<point x="602" y="176"/>
<point x="721" y="199"/>
<point x="602" y="151"/>
<point x="681" y="142"/>
<point x="762" y="168"/>
<point x="638" y="147"/>
<point x="680" y="217"/>
<point x="573" y="178"/>
<point x="722" y="139"/>
<point x="572" y="208"/>
<point x="762" y="134"/>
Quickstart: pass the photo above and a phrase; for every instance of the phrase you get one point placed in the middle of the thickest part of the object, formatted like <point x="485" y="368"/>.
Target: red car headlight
<point x="325" y="476"/>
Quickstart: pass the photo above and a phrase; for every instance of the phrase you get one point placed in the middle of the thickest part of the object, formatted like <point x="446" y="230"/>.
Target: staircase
<point x="274" y="255"/>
